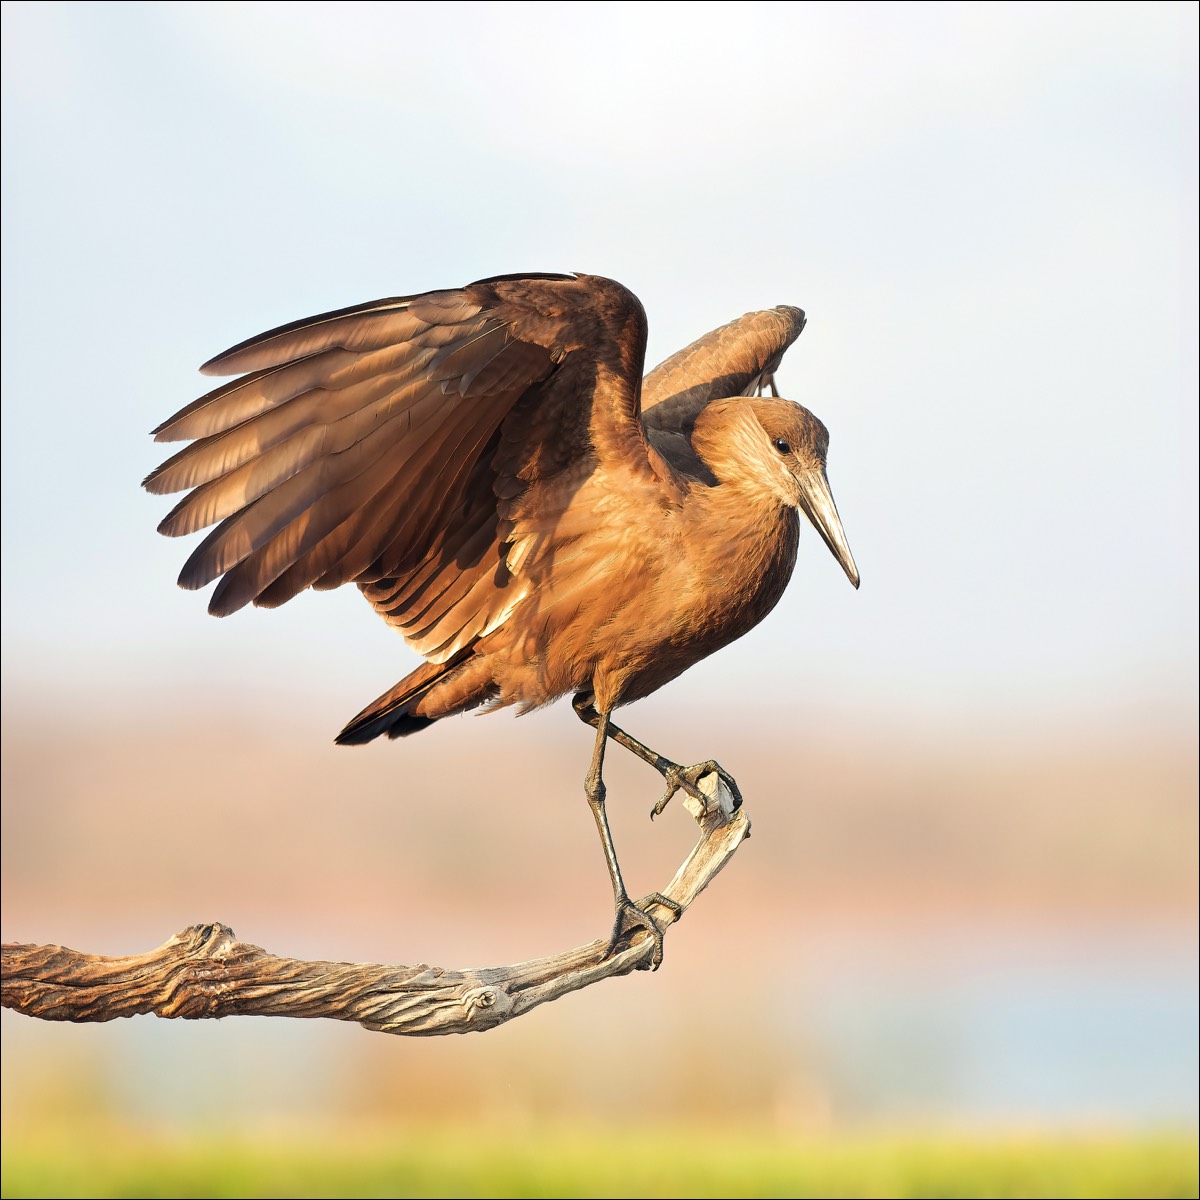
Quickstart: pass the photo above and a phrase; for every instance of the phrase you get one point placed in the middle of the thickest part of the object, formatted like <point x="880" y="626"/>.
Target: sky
<point x="989" y="214"/>
<point x="988" y="211"/>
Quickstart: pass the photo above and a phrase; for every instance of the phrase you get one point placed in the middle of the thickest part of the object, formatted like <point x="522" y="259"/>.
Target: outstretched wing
<point x="734" y="360"/>
<point x="373" y="444"/>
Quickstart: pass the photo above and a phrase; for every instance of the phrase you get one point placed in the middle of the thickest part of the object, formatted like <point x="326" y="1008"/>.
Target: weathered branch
<point x="205" y="972"/>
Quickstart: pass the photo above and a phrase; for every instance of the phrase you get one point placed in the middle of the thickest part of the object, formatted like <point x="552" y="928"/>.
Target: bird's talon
<point x="631" y="917"/>
<point x="687" y="779"/>
<point x="730" y="783"/>
<point x="660" y="805"/>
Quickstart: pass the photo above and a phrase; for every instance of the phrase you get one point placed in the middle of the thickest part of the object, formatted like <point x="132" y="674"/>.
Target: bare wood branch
<point x="205" y="972"/>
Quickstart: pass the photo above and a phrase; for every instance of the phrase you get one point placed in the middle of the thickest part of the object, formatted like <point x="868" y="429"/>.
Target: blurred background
<point x="970" y="898"/>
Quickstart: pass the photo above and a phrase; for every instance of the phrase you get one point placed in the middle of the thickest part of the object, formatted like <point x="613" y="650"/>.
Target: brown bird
<point x="489" y="467"/>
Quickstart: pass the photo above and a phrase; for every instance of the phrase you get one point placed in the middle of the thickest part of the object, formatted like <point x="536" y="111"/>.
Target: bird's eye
<point x="781" y="446"/>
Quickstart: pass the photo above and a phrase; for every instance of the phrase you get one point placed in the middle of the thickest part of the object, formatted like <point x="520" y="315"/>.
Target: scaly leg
<point x="629" y="916"/>
<point x="678" y="778"/>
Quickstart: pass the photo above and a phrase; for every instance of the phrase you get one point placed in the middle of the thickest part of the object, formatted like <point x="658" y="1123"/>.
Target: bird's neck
<point x="743" y="557"/>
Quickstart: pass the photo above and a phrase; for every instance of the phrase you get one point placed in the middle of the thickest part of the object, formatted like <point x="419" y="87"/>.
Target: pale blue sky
<point x="988" y="212"/>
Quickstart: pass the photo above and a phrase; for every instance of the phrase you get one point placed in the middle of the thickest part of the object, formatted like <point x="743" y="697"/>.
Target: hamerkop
<point x="492" y="471"/>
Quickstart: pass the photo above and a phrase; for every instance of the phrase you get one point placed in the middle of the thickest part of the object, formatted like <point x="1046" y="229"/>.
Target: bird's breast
<point x="721" y="575"/>
<point x="621" y="604"/>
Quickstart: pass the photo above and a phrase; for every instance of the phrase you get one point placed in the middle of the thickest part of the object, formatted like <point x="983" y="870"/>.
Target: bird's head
<point x="778" y="446"/>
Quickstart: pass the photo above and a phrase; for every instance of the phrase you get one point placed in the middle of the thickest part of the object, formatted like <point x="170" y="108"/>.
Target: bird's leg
<point x="766" y="381"/>
<point x="629" y="915"/>
<point x="678" y="778"/>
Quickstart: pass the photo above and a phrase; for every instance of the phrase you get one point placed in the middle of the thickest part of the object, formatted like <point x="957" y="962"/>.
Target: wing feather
<point x="269" y="511"/>
<point x="730" y="361"/>
<point x="228" y="436"/>
<point x="367" y="327"/>
<point x="294" y="534"/>
<point x="379" y="444"/>
<point x="370" y="406"/>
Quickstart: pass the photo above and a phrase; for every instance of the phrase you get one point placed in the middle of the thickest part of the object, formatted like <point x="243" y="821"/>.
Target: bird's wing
<point x="374" y="444"/>
<point x="734" y="360"/>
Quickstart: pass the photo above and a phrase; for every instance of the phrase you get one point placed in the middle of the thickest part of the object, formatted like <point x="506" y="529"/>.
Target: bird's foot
<point x="687" y="779"/>
<point x="632" y="916"/>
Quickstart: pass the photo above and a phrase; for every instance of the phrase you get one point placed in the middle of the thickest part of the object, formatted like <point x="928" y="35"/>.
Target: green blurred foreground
<point x="706" y="1163"/>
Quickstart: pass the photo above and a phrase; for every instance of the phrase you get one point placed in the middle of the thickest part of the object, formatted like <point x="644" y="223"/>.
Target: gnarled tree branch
<point x="205" y="972"/>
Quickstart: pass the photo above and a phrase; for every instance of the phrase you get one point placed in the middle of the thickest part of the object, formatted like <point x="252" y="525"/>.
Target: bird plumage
<point x="488" y="466"/>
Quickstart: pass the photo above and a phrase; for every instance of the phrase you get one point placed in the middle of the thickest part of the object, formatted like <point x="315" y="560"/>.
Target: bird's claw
<point x="675" y="781"/>
<point x="630" y="918"/>
<point x="687" y="779"/>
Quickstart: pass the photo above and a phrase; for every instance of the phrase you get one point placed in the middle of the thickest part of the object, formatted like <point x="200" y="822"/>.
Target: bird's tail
<point x="432" y="691"/>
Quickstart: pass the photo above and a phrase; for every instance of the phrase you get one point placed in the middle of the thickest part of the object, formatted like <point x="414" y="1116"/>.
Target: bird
<point x="489" y="467"/>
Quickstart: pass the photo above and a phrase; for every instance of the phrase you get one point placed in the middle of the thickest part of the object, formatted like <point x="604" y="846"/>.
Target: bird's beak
<point x="817" y="502"/>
